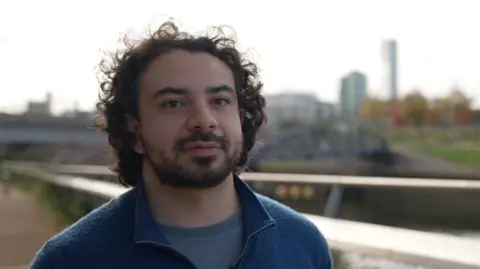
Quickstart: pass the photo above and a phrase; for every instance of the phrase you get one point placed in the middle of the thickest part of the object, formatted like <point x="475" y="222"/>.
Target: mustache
<point x="202" y="137"/>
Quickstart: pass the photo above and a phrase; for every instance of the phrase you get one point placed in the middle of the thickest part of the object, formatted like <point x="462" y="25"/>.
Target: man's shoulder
<point x="99" y="230"/>
<point x="298" y="230"/>
<point x="286" y="216"/>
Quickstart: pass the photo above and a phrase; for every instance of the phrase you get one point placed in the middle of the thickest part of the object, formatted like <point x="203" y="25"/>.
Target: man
<point x="181" y="114"/>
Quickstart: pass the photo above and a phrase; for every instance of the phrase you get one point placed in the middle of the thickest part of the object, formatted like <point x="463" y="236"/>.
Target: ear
<point x="133" y="126"/>
<point x="241" y="114"/>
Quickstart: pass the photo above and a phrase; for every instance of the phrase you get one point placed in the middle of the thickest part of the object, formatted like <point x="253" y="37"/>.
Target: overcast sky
<point x="304" y="45"/>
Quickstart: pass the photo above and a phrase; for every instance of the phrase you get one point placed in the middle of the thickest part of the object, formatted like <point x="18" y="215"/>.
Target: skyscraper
<point x="390" y="77"/>
<point x="389" y="61"/>
<point x="353" y="93"/>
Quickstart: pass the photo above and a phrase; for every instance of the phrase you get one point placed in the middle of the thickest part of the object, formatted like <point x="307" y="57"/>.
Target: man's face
<point x="189" y="126"/>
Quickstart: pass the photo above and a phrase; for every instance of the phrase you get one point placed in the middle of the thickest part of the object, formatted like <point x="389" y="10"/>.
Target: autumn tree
<point x="459" y="100"/>
<point x="414" y="108"/>
<point x="440" y="109"/>
<point x="374" y="108"/>
<point x="460" y="106"/>
<point x="455" y="107"/>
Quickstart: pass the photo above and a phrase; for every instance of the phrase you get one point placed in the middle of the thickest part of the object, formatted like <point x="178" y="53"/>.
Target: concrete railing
<point x="416" y="247"/>
<point x="338" y="180"/>
<point x="338" y="183"/>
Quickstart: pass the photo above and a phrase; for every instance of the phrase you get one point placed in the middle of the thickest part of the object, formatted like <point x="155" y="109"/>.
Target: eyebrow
<point x="221" y="88"/>
<point x="184" y="91"/>
<point x="170" y="90"/>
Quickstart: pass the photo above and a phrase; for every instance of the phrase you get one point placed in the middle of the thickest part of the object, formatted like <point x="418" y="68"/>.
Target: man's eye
<point x="221" y="101"/>
<point x="173" y="104"/>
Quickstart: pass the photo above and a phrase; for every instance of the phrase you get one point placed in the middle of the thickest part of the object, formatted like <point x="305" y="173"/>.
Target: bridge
<point x="308" y="142"/>
<point x="18" y="129"/>
<point x="402" y="245"/>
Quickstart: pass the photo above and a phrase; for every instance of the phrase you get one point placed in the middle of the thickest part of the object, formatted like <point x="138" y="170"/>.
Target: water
<point x="359" y="261"/>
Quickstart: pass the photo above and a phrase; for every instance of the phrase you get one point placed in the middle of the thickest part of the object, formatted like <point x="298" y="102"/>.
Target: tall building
<point x="353" y="93"/>
<point x="390" y="75"/>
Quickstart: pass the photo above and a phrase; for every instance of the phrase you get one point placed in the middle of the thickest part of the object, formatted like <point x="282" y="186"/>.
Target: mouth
<point x="202" y="148"/>
<point x="201" y="145"/>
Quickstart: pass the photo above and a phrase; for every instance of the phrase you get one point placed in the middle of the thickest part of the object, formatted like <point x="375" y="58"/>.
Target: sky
<point x="55" y="46"/>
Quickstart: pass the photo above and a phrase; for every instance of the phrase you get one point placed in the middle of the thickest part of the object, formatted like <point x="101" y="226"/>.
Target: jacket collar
<point x="254" y="216"/>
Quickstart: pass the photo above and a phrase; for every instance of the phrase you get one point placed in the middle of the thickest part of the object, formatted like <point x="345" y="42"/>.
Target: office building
<point x="353" y="92"/>
<point x="390" y="70"/>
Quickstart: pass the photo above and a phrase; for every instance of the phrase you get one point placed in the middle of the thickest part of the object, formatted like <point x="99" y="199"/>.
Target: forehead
<point x="194" y="71"/>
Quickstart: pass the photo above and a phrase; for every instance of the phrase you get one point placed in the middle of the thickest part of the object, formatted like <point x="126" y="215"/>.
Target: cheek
<point x="160" y="136"/>
<point x="233" y="128"/>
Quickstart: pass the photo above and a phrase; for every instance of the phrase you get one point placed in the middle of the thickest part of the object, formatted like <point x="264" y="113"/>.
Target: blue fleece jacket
<point x="122" y="234"/>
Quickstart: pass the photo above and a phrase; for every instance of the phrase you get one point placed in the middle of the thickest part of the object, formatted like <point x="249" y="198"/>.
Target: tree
<point x="453" y="108"/>
<point x="440" y="110"/>
<point x="460" y="106"/>
<point x="459" y="99"/>
<point x="414" y="108"/>
<point x="476" y="116"/>
<point x="374" y="108"/>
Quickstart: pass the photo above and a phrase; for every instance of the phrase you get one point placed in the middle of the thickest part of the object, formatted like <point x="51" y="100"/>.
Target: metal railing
<point x="434" y="250"/>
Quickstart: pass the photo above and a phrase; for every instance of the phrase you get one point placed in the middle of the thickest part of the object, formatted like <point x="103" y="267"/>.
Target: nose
<point x="202" y="120"/>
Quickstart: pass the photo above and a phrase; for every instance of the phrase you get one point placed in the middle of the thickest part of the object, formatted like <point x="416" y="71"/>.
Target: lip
<point x="201" y="146"/>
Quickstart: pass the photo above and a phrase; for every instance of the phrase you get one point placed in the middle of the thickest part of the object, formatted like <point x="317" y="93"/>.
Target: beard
<point x="198" y="172"/>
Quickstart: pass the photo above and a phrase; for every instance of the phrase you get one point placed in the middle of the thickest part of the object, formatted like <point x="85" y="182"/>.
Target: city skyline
<point x="434" y="53"/>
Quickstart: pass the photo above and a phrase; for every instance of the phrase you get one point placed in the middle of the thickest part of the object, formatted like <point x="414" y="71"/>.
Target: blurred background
<point x="369" y="89"/>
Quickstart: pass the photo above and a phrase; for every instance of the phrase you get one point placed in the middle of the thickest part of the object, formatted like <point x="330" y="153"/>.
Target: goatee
<point x="202" y="173"/>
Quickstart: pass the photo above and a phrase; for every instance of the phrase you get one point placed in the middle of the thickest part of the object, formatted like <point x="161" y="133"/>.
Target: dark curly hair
<point x="119" y="83"/>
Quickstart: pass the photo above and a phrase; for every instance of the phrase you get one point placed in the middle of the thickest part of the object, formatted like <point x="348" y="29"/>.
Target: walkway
<point x="23" y="229"/>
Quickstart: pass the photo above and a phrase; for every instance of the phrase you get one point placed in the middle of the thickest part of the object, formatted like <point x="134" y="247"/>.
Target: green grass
<point x="468" y="156"/>
<point x="339" y="261"/>
<point x="441" y="136"/>
<point x="457" y="145"/>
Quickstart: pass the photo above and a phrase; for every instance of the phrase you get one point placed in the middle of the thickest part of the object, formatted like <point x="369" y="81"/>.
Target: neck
<point x="188" y="207"/>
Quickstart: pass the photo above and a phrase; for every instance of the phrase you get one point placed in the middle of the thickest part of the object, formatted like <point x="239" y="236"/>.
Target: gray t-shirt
<point x="213" y="247"/>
